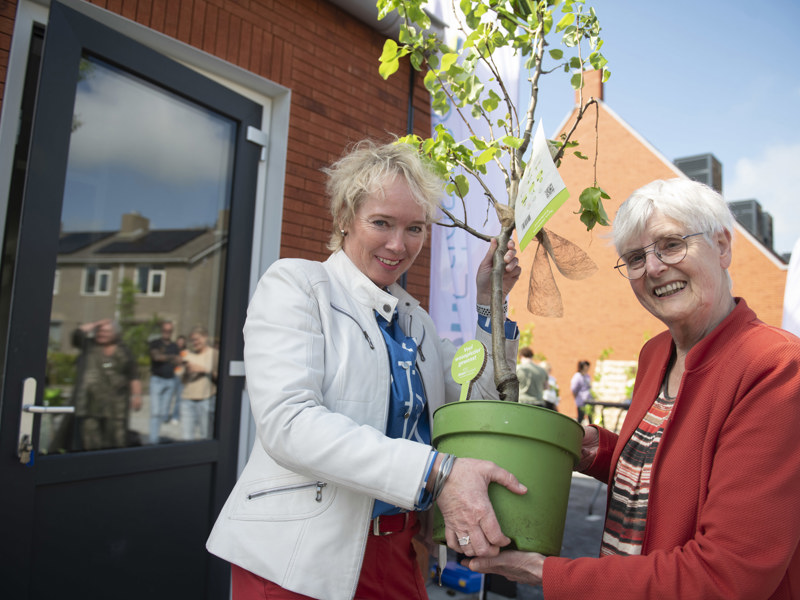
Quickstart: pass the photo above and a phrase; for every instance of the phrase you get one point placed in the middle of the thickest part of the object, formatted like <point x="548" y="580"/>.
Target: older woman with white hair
<point x="704" y="477"/>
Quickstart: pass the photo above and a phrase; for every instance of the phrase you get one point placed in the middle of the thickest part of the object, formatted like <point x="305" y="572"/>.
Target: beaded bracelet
<point x="486" y="311"/>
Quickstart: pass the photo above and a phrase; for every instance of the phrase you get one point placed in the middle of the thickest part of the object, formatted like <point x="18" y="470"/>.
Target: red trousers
<point x="390" y="572"/>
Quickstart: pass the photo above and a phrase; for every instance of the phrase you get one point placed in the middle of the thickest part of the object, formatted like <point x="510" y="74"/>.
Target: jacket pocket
<point x="282" y="499"/>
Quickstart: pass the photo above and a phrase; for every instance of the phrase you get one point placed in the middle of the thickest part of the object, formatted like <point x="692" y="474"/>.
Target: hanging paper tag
<point x="467" y="366"/>
<point x="541" y="191"/>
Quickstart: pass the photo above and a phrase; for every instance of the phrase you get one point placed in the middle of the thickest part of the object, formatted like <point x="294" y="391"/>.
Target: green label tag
<point x="468" y="364"/>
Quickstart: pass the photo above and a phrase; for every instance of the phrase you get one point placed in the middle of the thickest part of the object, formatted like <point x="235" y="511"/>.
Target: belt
<point x="389" y="524"/>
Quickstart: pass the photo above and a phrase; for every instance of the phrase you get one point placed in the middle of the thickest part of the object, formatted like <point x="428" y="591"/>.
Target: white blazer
<point x="318" y="378"/>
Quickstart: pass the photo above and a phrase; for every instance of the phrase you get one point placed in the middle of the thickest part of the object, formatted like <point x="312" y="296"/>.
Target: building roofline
<point x="738" y="227"/>
<point x="777" y="261"/>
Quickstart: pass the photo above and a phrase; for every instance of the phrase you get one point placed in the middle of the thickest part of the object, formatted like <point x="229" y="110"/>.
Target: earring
<point x="343" y="232"/>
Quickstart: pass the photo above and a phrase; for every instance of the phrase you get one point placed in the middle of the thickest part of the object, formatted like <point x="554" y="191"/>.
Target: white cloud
<point x="124" y="121"/>
<point x="772" y="178"/>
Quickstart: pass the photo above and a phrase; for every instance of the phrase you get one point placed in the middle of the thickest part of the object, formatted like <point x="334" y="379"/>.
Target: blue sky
<point x="168" y="159"/>
<point x="714" y="76"/>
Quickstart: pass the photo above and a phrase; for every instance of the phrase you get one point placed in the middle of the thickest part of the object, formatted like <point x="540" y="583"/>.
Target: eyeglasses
<point x="670" y="250"/>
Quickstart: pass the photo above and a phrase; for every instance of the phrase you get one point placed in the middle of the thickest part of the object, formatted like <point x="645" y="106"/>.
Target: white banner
<point x="791" y="298"/>
<point x="455" y="254"/>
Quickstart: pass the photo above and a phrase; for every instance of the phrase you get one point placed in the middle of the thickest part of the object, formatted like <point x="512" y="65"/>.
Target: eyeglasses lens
<point x="669" y="250"/>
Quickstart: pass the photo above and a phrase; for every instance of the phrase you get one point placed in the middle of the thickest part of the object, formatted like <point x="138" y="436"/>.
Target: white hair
<point x="691" y="203"/>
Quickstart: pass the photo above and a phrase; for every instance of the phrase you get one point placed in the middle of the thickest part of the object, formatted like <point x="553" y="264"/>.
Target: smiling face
<point x="197" y="341"/>
<point x="387" y="233"/>
<point x="692" y="296"/>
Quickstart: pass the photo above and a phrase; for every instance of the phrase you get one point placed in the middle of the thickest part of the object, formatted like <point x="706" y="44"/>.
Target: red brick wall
<point x="601" y="312"/>
<point x="8" y="11"/>
<point x="330" y="62"/>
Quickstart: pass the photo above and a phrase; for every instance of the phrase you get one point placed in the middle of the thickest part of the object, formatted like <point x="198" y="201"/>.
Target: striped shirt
<point x="627" y="512"/>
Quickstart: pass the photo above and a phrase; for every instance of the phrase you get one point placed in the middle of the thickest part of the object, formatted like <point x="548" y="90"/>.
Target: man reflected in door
<point x="164" y="357"/>
<point x="107" y="388"/>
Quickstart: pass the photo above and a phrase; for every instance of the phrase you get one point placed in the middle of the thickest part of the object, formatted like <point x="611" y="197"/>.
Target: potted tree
<point x="548" y="35"/>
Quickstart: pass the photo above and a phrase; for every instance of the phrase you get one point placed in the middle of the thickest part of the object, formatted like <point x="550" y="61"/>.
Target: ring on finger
<point x="463" y="541"/>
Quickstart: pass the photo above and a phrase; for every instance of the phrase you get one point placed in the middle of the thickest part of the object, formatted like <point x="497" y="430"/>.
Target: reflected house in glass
<point x="173" y="271"/>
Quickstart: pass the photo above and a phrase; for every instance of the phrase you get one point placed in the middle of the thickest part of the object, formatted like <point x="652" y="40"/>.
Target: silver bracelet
<point x="486" y="311"/>
<point x="441" y="477"/>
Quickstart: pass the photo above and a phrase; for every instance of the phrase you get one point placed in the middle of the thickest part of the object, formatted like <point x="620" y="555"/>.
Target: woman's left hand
<point x="483" y="279"/>
<point x="522" y="567"/>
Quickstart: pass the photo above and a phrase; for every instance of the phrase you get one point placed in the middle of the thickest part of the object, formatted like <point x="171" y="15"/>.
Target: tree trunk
<point x="505" y="378"/>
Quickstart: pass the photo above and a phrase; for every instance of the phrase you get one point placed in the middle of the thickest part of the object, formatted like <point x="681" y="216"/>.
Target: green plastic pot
<point x="539" y="446"/>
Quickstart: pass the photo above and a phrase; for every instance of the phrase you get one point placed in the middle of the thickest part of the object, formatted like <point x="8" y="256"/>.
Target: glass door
<point x="137" y="294"/>
<point x="134" y="231"/>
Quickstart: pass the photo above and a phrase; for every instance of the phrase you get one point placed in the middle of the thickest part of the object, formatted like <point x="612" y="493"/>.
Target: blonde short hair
<point x="364" y="170"/>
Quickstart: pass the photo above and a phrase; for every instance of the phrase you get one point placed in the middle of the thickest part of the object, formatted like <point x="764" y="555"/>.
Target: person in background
<point x="550" y="393"/>
<point x="344" y="372"/>
<point x="174" y="412"/>
<point x="107" y="387"/>
<point x="581" y="386"/>
<point x="532" y="379"/>
<point x="199" y="395"/>
<point x="163" y="384"/>
<point x="703" y="486"/>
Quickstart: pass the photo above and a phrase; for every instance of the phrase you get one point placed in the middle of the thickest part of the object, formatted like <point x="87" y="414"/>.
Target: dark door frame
<point x="73" y="33"/>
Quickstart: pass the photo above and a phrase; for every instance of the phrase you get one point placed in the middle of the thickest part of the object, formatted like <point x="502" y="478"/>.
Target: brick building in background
<point x="601" y="315"/>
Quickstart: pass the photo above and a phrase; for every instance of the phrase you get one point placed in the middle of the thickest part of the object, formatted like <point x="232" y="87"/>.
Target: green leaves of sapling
<point x="591" y="210"/>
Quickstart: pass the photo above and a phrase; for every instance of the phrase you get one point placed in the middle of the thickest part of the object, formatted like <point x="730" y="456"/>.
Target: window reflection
<point x="140" y="266"/>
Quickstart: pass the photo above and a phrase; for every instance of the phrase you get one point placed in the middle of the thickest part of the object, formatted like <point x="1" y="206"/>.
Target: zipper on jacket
<point x="288" y="488"/>
<point x="364" y="331"/>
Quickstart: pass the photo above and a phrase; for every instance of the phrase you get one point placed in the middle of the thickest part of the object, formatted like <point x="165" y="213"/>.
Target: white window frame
<point x="99" y="274"/>
<point x="152" y="272"/>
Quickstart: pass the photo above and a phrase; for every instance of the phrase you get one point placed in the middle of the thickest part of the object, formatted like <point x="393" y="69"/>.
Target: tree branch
<point x="462" y="225"/>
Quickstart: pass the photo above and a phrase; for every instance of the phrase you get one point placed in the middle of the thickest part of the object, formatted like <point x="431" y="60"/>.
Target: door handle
<point x="25" y="449"/>
<point x="48" y="410"/>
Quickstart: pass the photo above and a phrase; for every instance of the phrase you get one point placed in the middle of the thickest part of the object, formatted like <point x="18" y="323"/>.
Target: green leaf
<point x="388" y="68"/>
<point x="485" y="156"/>
<point x="389" y="51"/>
<point x="418" y="16"/>
<point x="592" y="211"/>
<point x="565" y="21"/>
<point x="448" y="60"/>
<point x="462" y="185"/>
<point x="512" y="141"/>
<point x="556" y="54"/>
<point x="471" y="39"/>
<point x="405" y="36"/>
<point x="430" y="81"/>
<point x="576" y="81"/>
<point x="491" y="103"/>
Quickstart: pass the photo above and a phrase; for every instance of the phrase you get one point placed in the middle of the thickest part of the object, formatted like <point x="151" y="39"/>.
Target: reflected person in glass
<point x="703" y="486"/>
<point x="199" y="392"/>
<point x="344" y="371"/>
<point x="163" y="383"/>
<point x="107" y="387"/>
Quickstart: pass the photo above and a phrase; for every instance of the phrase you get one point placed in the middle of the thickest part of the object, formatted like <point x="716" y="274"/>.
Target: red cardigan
<point x="723" y="519"/>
